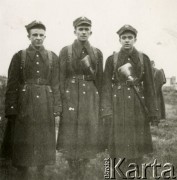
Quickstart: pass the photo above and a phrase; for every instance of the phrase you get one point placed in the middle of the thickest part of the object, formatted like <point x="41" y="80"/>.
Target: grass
<point x="164" y="142"/>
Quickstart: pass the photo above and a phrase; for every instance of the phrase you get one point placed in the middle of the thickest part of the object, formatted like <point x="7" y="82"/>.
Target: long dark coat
<point x="159" y="80"/>
<point x="33" y="97"/>
<point x="78" y="134"/>
<point x="129" y="135"/>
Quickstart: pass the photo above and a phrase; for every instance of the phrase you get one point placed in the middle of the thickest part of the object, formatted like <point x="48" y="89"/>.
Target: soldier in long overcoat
<point x="159" y="80"/>
<point x="81" y="71"/>
<point x="32" y="104"/>
<point x="128" y="100"/>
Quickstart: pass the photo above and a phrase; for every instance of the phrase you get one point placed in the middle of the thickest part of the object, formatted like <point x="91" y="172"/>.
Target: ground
<point x="164" y="142"/>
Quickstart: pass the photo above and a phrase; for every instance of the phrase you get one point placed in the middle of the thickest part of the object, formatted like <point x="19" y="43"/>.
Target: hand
<point x="154" y="121"/>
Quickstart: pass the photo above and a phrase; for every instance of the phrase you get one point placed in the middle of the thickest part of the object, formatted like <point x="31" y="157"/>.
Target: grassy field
<point x="164" y="141"/>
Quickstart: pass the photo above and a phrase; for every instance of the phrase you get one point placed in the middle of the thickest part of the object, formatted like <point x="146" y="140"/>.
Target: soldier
<point x="32" y="104"/>
<point x="128" y="100"/>
<point x="159" y="80"/>
<point x="81" y="71"/>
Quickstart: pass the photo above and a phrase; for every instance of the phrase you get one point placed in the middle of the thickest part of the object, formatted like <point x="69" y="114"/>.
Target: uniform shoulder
<point x="110" y="58"/>
<point x="64" y="49"/>
<point x="145" y="56"/>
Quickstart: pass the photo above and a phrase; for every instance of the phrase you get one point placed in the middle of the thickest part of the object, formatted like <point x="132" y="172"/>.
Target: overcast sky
<point x="155" y="20"/>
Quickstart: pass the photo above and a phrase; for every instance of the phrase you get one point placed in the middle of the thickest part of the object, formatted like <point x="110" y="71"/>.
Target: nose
<point x="38" y="37"/>
<point x="84" y="31"/>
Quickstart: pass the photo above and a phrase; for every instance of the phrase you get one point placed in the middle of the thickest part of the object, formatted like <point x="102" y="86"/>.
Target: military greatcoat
<point x="80" y="89"/>
<point x="129" y="135"/>
<point x="33" y="97"/>
<point x="159" y="80"/>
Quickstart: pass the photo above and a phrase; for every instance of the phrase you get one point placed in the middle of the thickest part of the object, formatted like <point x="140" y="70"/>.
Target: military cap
<point x="82" y="20"/>
<point x="35" y="24"/>
<point x="127" y="28"/>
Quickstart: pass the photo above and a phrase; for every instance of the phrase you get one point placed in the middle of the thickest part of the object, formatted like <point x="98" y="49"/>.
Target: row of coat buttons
<point x="82" y="92"/>
<point x="119" y="87"/>
<point x="128" y="96"/>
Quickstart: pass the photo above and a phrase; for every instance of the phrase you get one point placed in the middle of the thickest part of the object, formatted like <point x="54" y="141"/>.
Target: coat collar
<point x="32" y="51"/>
<point x="133" y="55"/>
<point x="78" y="46"/>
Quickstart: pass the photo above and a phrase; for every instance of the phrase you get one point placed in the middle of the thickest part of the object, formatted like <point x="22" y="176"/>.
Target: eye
<point x="35" y="35"/>
<point x="123" y="37"/>
<point x="130" y="37"/>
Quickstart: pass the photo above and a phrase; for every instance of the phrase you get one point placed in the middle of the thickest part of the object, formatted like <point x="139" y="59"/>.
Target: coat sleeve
<point x="99" y="74"/>
<point x="55" y="86"/>
<point x="62" y="70"/>
<point x="12" y="89"/>
<point x="106" y="95"/>
<point x="149" y="88"/>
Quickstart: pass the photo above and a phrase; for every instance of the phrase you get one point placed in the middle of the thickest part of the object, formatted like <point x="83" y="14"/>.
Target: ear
<point x="135" y="39"/>
<point x="28" y="36"/>
<point x="90" y="32"/>
<point x="75" y="32"/>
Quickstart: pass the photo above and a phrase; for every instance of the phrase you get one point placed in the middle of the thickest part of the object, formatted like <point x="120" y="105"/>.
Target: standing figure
<point x="32" y="104"/>
<point x="128" y="103"/>
<point x="159" y="80"/>
<point x="81" y="71"/>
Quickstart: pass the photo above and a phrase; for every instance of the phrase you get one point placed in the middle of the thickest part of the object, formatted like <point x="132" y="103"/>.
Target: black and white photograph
<point x="88" y="89"/>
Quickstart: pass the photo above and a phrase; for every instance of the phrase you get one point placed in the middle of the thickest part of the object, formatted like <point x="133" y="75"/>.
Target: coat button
<point x="37" y="96"/>
<point x="37" y="71"/>
<point x="96" y="92"/>
<point x="83" y="84"/>
<point x="11" y="107"/>
<point x="129" y="97"/>
<point x="84" y="92"/>
<point x="128" y="59"/>
<point x="67" y="91"/>
<point x="37" y="63"/>
<point x="142" y="97"/>
<point x="71" y="109"/>
<point x="115" y="95"/>
<point x="128" y="89"/>
<point x="37" y="55"/>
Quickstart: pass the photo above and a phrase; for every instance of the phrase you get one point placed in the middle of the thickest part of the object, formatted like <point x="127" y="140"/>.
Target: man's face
<point x="36" y="36"/>
<point x="83" y="32"/>
<point x="127" y="40"/>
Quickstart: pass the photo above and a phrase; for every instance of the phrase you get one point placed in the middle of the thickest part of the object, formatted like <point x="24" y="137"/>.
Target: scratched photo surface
<point x="156" y="24"/>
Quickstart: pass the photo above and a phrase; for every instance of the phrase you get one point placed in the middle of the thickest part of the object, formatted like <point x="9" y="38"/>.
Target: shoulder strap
<point x="115" y="58"/>
<point x="140" y="54"/>
<point x="95" y="52"/>
<point x="69" y="53"/>
<point x="23" y="61"/>
<point x="50" y="63"/>
<point x="50" y="58"/>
